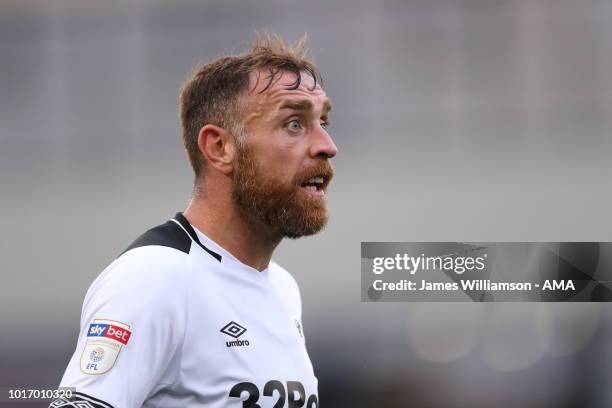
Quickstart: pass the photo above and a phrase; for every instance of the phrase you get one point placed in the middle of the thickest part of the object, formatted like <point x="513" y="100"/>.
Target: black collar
<point x="180" y="218"/>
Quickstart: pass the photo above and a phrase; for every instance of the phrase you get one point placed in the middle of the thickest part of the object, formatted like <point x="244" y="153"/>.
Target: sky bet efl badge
<point x="105" y="339"/>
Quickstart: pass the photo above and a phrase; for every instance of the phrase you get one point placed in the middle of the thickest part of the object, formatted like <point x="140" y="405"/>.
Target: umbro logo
<point x="298" y="325"/>
<point x="234" y="330"/>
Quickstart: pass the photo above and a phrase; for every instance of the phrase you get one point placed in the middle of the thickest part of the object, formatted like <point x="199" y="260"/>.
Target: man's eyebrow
<point x="327" y="105"/>
<point x="304" y="105"/>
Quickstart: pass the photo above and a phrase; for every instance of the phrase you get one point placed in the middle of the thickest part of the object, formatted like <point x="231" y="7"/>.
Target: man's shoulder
<point x="161" y="250"/>
<point x="156" y="259"/>
<point x="151" y="268"/>
<point x="138" y="279"/>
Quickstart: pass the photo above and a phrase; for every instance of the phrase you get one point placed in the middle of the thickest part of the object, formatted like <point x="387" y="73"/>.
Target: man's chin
<point x="306" y="225"/>
<point x="295" y="234"/>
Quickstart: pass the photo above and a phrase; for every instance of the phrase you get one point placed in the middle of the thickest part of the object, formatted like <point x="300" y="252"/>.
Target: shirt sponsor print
<point x="105" y="339"/>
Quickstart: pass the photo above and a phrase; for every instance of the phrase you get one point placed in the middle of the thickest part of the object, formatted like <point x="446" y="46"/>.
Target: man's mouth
<point x="316" y="185"/>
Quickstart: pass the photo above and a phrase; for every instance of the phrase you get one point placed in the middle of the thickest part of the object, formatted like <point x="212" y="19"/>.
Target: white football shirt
<point x="177" y="321"/>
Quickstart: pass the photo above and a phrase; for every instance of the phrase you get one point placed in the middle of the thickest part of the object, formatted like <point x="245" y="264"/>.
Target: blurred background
<point x="456" y="121"/>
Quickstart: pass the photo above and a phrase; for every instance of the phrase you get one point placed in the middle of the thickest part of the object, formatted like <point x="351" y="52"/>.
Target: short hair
<point x="212" y="94"/>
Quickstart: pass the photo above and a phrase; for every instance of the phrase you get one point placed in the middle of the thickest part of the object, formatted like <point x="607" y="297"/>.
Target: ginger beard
<point x="282" y="207"/>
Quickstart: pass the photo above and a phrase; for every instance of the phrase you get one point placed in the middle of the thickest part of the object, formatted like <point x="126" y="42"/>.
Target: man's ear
<point x="217" y="145"/>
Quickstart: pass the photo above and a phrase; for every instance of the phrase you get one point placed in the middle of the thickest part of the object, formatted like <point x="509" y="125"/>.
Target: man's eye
<point x="294" y="125"/>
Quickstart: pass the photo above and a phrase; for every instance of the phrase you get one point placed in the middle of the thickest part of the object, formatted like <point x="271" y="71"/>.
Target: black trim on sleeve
<point x="80" y="400"/>
<point x="180" y="218"/>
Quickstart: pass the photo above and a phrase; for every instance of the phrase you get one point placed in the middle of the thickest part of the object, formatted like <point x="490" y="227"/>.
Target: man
<point x="194" y="313"/>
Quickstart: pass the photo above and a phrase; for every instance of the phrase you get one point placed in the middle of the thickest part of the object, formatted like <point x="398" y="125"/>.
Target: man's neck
<point x="227" y="226"/>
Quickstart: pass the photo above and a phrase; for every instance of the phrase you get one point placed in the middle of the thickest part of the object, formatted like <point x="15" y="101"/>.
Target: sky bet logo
<point x="109" y="331"/>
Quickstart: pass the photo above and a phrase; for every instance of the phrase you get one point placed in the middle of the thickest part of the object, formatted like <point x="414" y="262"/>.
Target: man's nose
<point x="323" y="145"/>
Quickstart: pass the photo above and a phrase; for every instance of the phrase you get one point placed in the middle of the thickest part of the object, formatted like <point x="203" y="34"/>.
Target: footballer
<point x="194" y="313"/>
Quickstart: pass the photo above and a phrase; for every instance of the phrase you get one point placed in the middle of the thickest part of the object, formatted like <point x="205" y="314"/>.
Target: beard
<point x="282" y="208"/>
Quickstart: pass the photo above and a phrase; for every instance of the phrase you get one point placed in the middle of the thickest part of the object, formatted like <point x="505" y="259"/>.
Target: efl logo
<point x="110" y="331"/>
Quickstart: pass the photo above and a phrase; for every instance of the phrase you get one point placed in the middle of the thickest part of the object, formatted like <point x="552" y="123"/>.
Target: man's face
<point x="283" y="168"/>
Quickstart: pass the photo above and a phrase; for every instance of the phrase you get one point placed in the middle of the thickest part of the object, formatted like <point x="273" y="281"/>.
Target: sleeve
<point x="132" y="328"/>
